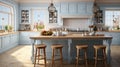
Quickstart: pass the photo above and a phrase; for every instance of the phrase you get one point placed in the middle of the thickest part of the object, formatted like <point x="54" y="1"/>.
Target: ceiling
<point x="48" y="1"/>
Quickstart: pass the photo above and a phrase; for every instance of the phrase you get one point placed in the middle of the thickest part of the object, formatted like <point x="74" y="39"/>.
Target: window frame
<point x="114" y="12"/>
<point x="11" y="20"/>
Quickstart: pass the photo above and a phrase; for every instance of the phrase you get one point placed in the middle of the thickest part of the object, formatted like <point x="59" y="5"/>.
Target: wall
<point x="16" y="10"/>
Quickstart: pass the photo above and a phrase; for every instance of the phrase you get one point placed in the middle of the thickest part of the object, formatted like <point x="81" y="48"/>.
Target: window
<point x="6" y="16"/>
<point x="112" y="18"/>
<point x="39" y="16"/>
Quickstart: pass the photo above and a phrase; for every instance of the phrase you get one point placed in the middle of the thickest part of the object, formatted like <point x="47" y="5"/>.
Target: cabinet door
<point x="25" y="37"/>
<point x="64" y="8"/>
<point x="16" y="39"/>
<point x="90" y="8"/>
<point x="72" y="8"/>
<point x="13" y="39"/>
<point x="0" y="42"/>
<point x="82" y="8"/>
<point x="5" y="41"/>
<point x="115" y="35"/>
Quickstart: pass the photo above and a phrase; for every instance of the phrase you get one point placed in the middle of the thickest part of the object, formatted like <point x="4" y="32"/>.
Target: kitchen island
<point x="70" y="46"/>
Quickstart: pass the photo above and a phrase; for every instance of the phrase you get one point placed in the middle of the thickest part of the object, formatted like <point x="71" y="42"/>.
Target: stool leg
<point x="86" y="58"/>
<point x="77" y="59"/>
<point x="52" y="57"/>
<point x="35" y="57"/>
<point x="96" y="57"/>
<point x="44" y="56"/>
<point x="61" y="56"/>
<point x="104" y="53"/>
<point x="38" y="55"/>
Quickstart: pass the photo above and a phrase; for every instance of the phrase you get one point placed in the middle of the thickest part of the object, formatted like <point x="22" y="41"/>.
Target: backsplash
<point x="76" y="23"/>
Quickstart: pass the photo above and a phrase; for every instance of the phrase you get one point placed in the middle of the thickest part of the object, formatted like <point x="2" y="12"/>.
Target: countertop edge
<point x="7" y="33"/>
<point x="79" y="32"/>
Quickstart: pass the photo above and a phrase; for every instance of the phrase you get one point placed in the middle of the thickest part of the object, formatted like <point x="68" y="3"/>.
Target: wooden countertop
<point x="7" y="33"/>
<point x="71" y="36"/>
<point x="30" y="31"/>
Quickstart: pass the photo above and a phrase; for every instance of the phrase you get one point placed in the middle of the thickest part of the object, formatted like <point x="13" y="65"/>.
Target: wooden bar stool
<point x="103" y="48"/>
<point x="81" y="47"/>
<point x="38" y="54"/>
<point x="54" y="48"/>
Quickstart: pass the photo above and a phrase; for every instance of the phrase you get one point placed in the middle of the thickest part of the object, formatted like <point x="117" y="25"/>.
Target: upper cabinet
<point x="72" y="8"/>
<point x="64" y="8"/>
<point x="89" y="8"/>
<point x="82" y="8"/>
<point x="24" y="16"/>
<point x="76" y="8"/>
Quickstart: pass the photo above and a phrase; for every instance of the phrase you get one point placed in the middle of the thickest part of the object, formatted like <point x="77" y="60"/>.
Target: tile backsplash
<point x="76" y="23"/>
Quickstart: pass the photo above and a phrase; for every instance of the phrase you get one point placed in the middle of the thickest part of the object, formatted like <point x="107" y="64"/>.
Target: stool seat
<point x="99" y="46"/>
<point x="103" y="49"/>
<point x="40" y="46"/>
<point x="57" y="47"/>
<point x="81" y="47"/>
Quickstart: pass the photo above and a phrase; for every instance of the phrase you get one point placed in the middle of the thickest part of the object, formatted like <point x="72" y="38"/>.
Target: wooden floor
<point x="20" y="57"/>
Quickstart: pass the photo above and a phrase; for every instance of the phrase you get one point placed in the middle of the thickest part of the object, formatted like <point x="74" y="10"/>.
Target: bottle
<point x="95" y="28"/>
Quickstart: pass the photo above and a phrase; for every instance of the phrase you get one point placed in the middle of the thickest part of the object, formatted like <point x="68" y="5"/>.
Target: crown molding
<point x="48" y="1"/>
<point x="57" y="1"/>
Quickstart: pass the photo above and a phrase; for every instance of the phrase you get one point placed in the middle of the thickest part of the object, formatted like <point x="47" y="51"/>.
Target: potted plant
<point x="40" y="26"/>
<point x="8" y="28"/>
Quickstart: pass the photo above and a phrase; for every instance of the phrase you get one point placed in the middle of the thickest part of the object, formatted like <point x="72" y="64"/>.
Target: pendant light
<point x="96" y="10"/>
<point x="51" y="8"/>
<point x="95" y="7"/>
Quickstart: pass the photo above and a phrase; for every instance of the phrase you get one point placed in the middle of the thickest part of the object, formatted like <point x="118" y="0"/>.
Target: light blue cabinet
<point x="14" y="39"/>
<point x="89" y="9"/>
<point x="0" y="42"/>
<point x="5" y="41"/>
<point x="64" y="8"/>
<point x="115" y="35"/>
<point x="72" y="8"/>
<point x="8" y="41"/>
<point x="25" y="37"/>
<point x="82" y="8"/>
<point x="76" y="8"/>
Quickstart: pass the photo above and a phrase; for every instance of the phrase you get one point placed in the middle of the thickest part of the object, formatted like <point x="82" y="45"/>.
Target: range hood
<point x="74" y="22"/>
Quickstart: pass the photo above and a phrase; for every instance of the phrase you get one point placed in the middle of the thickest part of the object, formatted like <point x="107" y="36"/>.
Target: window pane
<point x="3" y="20"/>
<point x="6" y="18"/>
<point x="0" y="19"/>
<point x="4" y="9"/>
<point x="112" y="18"/>
<point x="39" y="15"/>
<point x="6" y="15"/>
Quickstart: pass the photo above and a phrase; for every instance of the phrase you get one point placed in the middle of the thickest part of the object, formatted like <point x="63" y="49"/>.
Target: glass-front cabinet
<point x="33" y="19"/>
<point x="53" y="17"/>
<point x="24" y="16"/>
